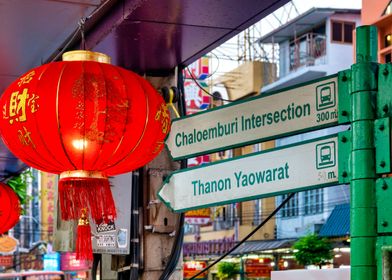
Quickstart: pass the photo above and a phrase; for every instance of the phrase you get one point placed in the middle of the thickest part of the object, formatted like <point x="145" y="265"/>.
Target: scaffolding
<point x="243" y="48"/>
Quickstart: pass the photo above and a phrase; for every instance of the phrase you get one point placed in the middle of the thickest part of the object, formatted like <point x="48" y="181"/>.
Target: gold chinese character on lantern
<point x="26" y="78"/>
<point x="163" y="115"/>
<point x="25" y="137"/>
<point x="19" y="101"/>
<point x="32" y="103"/>
<point x="158" y="147"/>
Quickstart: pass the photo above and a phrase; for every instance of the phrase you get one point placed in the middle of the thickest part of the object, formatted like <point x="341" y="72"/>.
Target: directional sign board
<point x="305" y="165"/>
<point x="305" y="107"/>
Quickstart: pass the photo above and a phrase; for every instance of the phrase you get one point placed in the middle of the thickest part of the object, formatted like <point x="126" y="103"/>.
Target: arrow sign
<point x="305" y="107"/>
<point x="300" y="166"/>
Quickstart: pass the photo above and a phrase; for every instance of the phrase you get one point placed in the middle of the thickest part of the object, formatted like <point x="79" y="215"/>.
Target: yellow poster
<point x="48" y="185"/>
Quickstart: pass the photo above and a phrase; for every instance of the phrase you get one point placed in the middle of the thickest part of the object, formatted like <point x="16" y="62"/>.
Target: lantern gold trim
<point x="82" y="55"/>
<point x="82" y="174"/>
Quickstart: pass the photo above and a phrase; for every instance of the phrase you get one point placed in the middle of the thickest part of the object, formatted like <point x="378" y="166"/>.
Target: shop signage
<point x="52" y="262"/>
<point x="198" y="217"/>
<point x="258" y="268"/>
<point x="211" y="247"/>
<point x="70" y="263"/>
<point x="48" y="185"/>
<point x="8" y="244"/>
<point x="301" y="166"/>
<point x="301" y="108"/>
<point x="193" y="267"/>
<point x="6" y="261"/>
<point x="113" y="238"/>
<point x="32" y="260"/>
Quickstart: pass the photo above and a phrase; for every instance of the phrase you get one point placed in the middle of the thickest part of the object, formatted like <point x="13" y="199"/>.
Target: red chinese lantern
<point x="9" y="208"/>
<point x="86" y="120"/>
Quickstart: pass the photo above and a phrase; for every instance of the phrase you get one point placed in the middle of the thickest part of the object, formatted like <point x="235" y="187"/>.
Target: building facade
<point x="379" y="13"/>
<point x="313" y="45"/>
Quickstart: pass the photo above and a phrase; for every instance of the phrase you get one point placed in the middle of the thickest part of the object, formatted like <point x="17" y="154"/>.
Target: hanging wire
<point x="246" y="237"/>
<point x="176" y="251"/>
<point x="74" y="37"/>
<point x="82" y="22"/>
<point x="210" y="94"/>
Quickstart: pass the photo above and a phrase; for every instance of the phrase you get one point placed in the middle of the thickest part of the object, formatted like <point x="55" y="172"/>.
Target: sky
<point x="307" y="4"/>
<point x="222" y="65"/>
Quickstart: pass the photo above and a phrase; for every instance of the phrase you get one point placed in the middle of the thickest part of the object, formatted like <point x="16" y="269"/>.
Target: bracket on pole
<point x="344" y="154"/>
<point x="384" y="198"/>
<point x="382" y="142"/>
<point x="344" y="84"/>
<point x="384" y="96"/>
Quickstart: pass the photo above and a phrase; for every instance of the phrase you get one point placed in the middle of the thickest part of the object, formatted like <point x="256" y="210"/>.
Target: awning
<point x="302" y="24"/>
<point x="338" y="223"/>
<point x="302" y="75"/>
<point x="265" y="245"/>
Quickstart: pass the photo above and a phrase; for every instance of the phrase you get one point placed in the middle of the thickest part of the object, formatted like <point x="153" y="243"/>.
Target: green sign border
<point x="168" y="205"/>
<point x="258" y="140"/>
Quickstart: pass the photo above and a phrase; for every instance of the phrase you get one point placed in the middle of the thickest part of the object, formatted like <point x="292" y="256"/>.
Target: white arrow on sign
<point x="300" y="166"/>
<point x="305" y="107"/>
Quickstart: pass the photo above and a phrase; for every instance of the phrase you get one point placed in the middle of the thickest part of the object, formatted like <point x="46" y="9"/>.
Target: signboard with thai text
<point x="305" y="107"/>
<point x="300" y="166"/>
<point x="48" y="185"/>
<point x="191" y="268"/>
<point x="113" y="237"/>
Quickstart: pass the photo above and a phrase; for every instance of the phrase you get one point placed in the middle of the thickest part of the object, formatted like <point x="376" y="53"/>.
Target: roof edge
<point x="306" y="14"/>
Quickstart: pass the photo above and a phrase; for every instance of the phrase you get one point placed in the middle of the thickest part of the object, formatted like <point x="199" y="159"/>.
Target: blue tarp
<point x="338" y="223"/>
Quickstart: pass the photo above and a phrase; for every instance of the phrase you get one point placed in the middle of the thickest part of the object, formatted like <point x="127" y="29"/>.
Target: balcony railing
<point x="306" y="49"/>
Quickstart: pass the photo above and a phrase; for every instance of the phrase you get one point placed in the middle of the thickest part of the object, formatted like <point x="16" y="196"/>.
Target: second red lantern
<point x="9" y="208"/>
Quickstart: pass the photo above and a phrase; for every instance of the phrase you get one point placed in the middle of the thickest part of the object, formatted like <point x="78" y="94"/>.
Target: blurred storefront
<point x="192" y="268"/>
<point x="73" y="268"/>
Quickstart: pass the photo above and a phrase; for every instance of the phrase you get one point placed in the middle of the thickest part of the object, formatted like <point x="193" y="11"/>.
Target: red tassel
<point x="76" y="193"/>
<point x="84" y="250"/>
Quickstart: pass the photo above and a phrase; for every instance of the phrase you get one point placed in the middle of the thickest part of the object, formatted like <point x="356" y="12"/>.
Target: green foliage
<point x="19" y="185"/>
<point x="227" y="270"/>
<point x="312" y="249"/>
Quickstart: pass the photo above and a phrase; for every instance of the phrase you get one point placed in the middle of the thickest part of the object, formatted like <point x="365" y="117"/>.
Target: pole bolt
<point x="384" y="186"/>
<point x="382" y="163"/>
<point x="381" y="127"/>
<point x="384" y="223"/>
<point x="344" y="113"/>
<point x="385" y="72"/>
<point x="344" y="139"/>
<point x="344" y="174"/>
<point x="344" y="78"/>
<point x="385" y="108"/>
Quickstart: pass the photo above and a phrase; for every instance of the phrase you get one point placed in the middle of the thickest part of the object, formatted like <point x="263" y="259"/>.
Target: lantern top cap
<point x="83" y="55"/>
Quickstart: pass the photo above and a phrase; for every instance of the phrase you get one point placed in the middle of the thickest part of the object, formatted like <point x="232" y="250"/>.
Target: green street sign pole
<point x="362" y="183"/>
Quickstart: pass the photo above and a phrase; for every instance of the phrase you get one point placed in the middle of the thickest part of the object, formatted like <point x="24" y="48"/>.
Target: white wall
<point x="302" y="274"/>
<point x="284" y="58"/>
<point x="339" y="56"/>
<point x="291" y="227"/>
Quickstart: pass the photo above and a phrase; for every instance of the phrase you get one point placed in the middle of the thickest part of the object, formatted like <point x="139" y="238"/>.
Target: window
<point x="387" y="58"/>
<point x="387" y="40"/>
<point x="257" y="214"/>
<point x="290" y="209"/>
<point x="313" y="201"/>
<point x="342" y="31"/>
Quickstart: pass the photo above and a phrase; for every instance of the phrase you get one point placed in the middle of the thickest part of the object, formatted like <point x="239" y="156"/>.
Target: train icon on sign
<point x="325" y="155"/>
<point x="326" y="96"/>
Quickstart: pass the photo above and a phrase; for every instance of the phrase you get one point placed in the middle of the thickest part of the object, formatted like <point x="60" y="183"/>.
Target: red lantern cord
<point x="84" y="248"/>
